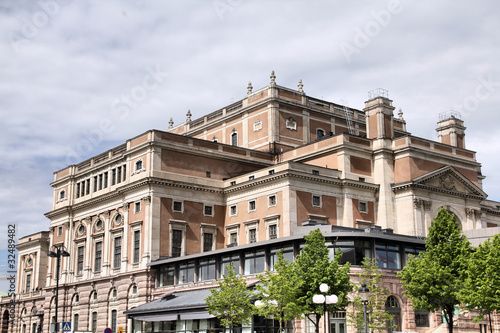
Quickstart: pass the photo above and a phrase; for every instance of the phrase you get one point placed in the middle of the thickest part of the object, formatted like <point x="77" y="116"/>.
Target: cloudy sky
<point x="80" y="77"/>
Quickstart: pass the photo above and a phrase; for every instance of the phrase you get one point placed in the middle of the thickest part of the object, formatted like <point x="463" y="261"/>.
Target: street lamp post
<point x="364" y="293"/>
<point x="57" y="251"/>
<point x="324" y="299"/>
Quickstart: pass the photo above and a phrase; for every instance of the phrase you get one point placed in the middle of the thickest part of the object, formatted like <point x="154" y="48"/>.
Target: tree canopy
<point x="433" y="279"/>
<point x="482" y="279"/>
<point x="314" y="266"/>
<point x="231" y="301"/>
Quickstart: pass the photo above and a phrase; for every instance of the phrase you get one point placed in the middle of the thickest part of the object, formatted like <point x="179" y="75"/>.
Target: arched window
<point x="392" y="306"/>
<point x="234" y="138"/>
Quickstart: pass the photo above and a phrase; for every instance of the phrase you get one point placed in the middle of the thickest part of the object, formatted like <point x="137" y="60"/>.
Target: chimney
<point x="451" y="130"/>
<point x="379" y="115"/>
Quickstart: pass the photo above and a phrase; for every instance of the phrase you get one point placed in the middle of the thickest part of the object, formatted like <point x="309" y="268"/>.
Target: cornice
<point x="411" y="185"/>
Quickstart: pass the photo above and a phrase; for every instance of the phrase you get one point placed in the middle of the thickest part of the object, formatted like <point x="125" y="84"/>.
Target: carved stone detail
<point x="417" y="203"/>
<point x="427" y="204"/>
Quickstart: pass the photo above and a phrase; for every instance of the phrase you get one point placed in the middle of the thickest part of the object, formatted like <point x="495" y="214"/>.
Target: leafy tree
<point x="482" y="279"/>
<point x="314" y="267"/>
<point x="231" y="301"/>
<point x="433" y="279"/>
<point x="278" y="292"/>
<point x="378" y="318"/>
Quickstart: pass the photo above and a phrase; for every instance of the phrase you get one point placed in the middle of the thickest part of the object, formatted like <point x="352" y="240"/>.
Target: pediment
<point x="446" y="180"/>
<point x="449" y="179"/>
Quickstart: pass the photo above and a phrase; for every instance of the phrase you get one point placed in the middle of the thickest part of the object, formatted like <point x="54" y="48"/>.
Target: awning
<point x="156" y="317"/>
<point x="196" y="315"/>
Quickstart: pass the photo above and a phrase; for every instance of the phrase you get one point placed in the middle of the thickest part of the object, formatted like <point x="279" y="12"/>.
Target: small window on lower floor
<point x="272" y="200"/>
<point x="208" y="211"/>
<point x="316" y="201"/>
<point x="421" y="319"/>
<point x="273" y="231"/>
<point x="363" y="207"/>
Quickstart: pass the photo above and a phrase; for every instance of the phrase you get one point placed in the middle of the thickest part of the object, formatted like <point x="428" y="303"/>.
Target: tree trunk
<point x="491" y="326"/>
<point x="449" y="311"/>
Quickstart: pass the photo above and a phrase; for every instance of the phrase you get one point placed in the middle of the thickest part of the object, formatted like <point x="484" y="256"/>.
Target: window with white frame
<point x="177" y="238"/>
<point x="137" y="207"/>
<point x="316" y="201"/>
<point x="234" y="138"/>
<point x="177" y="206"/>
<point x="97" y="255"/>
<point x="252" y="235"/>
<point x="232" y="235"/>
<point x="272" y="227"/>
<point x="233" y="210"/>
<point x="62" y="194"/>
<point x="59" y="231"/>
<point x="79" y="261"/>
<point x="271" y="200"/>
<point x="208" y="210"/>
<point x="252" y="231"/>
<point x="138" y="165"/>
<point x="136" y="251"/>
<point x="208" y="235"/>
<point x="252" y="205"/>
<point x="117" y="252"/>
<point x="363" y="207"/>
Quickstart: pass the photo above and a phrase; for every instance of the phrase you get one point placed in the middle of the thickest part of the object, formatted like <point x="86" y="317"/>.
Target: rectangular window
<point x="88" y="187"/>
<point x="100" y="181"/>
<point x="186" y="272"/>
<point x="207" y="269"/>
<point x="287" y="254"/>
<point x="226" y="262"/>
<point x="233" y="183"/>
<point x="316" y="201"/>
<point x="363" y="207"/>
<point x="113" y="320"/>
<point x="233" y="210"/>
<point x="233" y="238"/>
<point x="271" y="172"/>
<point x="421" y="319"/>
<point x="94" y="321"/>
<point x="209" y="211"/>
<point x="166" y="276"/>
<point x="79" y="265"/>
<point x="118" y="252"/>
<point x="137" y="245"/>
<point x="272" y="200"/>
<point x="137" y="207"/>
<point x="77" y="190"/>
<point x="95" y="183"/>
<point x="207" y="242"/>
<point x="252" y="235"/>
<point x="255" y="262"/>
<point x="388" y="256"/>
<point x="75" y="322"/>
<point x="353" y="251"/>
<point x="83" y="189"/>
<point x="106" y="179"/>
<point x="59" y="231"/>
<point x="273" y="231"/>
<point x="113" y="177"/>
<point x="28" y="282"/>
<point x="251" y="177"/>
<point x="177" y="206"/>
<point x="119" y="175"/>
<point x="251" y="205"/>
<point x="97" y="256"/>
<point x="176" y="243"/>
<point x="315" y="172"/>
<point x="124" y="172"/>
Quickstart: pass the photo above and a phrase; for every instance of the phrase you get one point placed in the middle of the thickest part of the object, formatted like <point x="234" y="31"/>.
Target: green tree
<point x="231" y="301"/>
<point x="378" y="318"/>
<point x="278" y="292"/>
<point x="433" y="279"/>
<point x="482" y="279"/>
<point x="314" y="267"/>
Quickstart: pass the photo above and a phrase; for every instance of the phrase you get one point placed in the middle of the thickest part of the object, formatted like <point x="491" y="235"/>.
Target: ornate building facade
<point x="165" y="212"/>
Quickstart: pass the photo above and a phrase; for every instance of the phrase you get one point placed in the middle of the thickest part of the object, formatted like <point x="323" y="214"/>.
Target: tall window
<point x="208" y="240"/>
<point x="94" y="322"/>
<point x="28" y="282"/>
<point x="100" y="181"/>
<point x="119" y="175"/>
<point x="234" y="139"/>
<point x="98" y="256"/>
<point x="207" y="269"/>
<point x="95" y="183"/>
<point x="252" y="235"/>
<point x="113" y="320"/>
<point x="186" y="272"/>
<point x="273" y="231"/>
<point x="105" y="179"/>
<point x="137" y="245"/>
<point x="255" y="262"/>
<point x="118" y="252"/>
<point x="78" y="190"/>
<point x="113" y="176"/>
<point x="88" y="186"/>
<point x="75" y="322"/>
<point x="79" y="264"/>
<point x="176" y="243"/>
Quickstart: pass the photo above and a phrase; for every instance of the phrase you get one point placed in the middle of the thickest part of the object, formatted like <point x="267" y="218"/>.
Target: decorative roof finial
<point x="400" y="114"/>
<point x="249" y="88"/>
<point x="301" y="86"/>
<point x="273" y="78"/>
<point x="170" y="123"/>
<point x="188" y="116"/>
